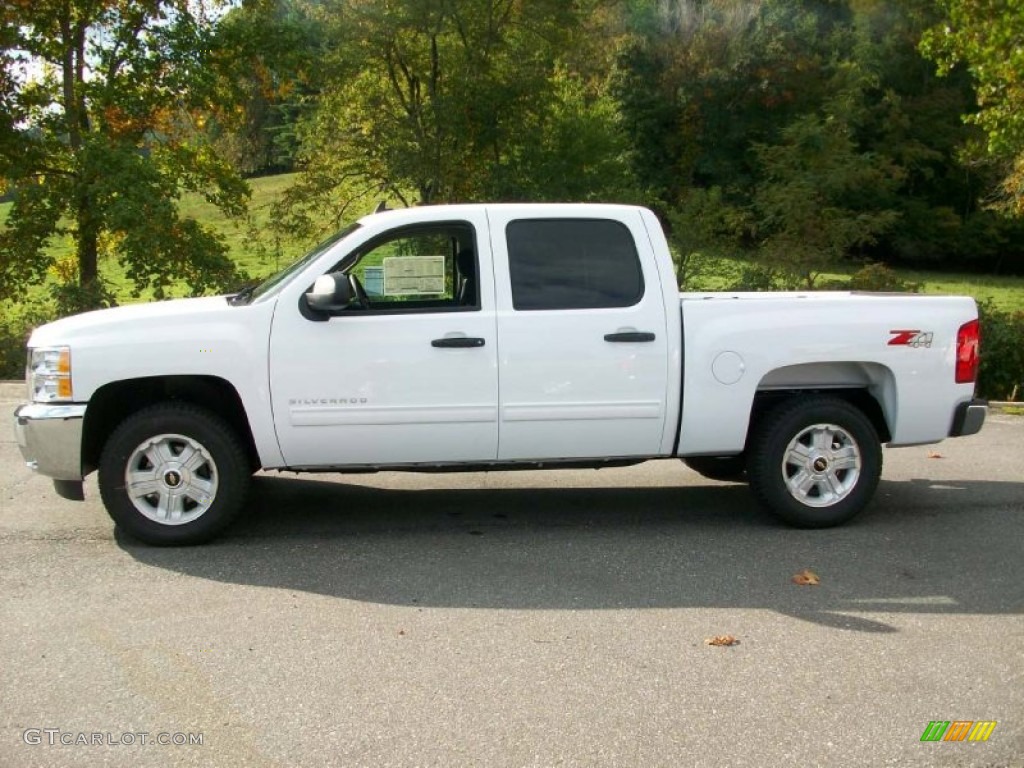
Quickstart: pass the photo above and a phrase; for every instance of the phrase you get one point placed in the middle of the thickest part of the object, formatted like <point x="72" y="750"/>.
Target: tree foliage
<point x="803" y="134"/>
<point x="806" y="133"/>
<point x="429" y="102"/>
<point x="987" y="36"/>
<point x="98" y="142"/>
<point x="264" y="56"/>
<point x="816" y="201"/>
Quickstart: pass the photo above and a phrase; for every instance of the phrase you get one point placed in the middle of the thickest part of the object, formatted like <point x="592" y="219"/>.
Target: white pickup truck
<point x="485" y="337"/>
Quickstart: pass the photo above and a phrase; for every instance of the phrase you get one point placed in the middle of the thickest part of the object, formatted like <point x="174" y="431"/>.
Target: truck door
<point x="583" y="352"/>
<point x="408" y="373"/>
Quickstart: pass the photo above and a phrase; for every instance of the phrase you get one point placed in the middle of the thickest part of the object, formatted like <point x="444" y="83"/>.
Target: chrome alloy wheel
<point x="171" y="479"/>
<point x="821" y="465"/>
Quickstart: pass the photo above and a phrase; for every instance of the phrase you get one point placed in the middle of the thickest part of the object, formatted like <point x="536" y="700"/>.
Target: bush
<point x="758" y="276"/>
<point x="1002" y="353"/>
<point x="878" y="277"/>
<point x="16" y="324"/>
<point x="1002" y="332"/>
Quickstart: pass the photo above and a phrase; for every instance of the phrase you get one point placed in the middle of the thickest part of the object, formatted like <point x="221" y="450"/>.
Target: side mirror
<point x="330" y="293"/>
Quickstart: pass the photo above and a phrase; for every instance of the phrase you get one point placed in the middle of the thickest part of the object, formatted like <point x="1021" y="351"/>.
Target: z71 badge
<point x="910" y="339"/>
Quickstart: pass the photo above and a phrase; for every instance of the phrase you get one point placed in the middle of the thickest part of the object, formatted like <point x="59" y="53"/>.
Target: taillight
<point x="968" y="342"/>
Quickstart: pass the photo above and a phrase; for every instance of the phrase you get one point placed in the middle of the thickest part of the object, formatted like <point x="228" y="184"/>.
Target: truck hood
<point x="158" y="313"/>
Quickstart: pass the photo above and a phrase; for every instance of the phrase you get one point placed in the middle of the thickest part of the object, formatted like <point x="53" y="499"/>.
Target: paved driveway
<point x="523" y="619"/>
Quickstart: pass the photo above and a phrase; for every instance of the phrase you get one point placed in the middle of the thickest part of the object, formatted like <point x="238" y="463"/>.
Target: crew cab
<point x="486" y="337"/>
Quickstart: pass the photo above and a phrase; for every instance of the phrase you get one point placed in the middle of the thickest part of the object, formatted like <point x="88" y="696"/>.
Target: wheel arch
<point x="870" y="387"/>
<point x="114" y="402"/>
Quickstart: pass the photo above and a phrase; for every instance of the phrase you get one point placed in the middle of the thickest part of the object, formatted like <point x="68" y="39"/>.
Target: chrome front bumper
<point x="50" y="439"/>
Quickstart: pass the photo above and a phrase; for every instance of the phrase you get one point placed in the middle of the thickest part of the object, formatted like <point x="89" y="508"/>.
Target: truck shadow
<point x="922" y="547"/>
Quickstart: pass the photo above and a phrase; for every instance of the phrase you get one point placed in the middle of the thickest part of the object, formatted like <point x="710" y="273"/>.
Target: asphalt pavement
<point x="522" y="619"/>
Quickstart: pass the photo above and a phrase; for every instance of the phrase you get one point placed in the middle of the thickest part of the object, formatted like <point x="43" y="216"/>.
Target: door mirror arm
<point x="331" y="293"/>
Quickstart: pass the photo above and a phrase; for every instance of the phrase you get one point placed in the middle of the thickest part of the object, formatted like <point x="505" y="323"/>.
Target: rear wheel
<point x="724" y="468"/>
<point x="173" y="473"/>
<point x="815" y="462"/>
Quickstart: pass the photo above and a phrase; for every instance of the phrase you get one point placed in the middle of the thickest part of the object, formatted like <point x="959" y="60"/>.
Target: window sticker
<point x="414" y="276"/>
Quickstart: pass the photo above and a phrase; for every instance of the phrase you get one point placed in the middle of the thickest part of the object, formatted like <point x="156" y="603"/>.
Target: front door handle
<point x="457" y="342"/>
<point x="629" y="336"/>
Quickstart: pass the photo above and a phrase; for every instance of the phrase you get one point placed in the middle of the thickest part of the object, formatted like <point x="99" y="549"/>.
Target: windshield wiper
<point x="244" y="294"/>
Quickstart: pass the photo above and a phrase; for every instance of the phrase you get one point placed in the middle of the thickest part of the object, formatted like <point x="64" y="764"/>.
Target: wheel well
<point x="113" y="403"/>
<point x="864" y="401"/>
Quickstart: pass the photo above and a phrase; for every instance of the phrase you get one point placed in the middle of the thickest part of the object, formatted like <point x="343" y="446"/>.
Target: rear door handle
<point x="458" y="342"/>
<point x="629" y="336"/>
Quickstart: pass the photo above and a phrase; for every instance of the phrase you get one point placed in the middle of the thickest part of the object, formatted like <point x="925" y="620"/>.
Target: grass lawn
<point x="240" y="236"/>
<point x="1006" y="292"/>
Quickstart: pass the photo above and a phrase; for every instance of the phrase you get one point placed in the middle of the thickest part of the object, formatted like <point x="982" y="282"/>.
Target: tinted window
<point x="572" y="264"/>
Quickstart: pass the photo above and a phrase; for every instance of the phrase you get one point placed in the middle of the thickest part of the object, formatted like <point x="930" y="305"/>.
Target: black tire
<point x="814" y="484"/>
<point x="729" y="469"/>
<point x="204" y="483"/>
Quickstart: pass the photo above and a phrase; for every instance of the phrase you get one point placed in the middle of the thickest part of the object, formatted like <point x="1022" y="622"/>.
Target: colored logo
<point x="958" y="730"/>
<point x="911" y="338"/>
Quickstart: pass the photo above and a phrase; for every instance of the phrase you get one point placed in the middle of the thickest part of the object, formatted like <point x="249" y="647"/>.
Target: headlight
<point x="49" y="374"/>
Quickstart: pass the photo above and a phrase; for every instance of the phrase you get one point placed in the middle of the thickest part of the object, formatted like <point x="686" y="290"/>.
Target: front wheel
<point x="173" y="473"/>
<point x="815" y="462"/>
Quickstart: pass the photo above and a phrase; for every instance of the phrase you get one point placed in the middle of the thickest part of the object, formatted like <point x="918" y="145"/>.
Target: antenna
<point x="381" y="206"/>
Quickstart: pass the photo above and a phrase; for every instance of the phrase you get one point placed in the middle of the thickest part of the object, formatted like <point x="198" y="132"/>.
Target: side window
<point x="572" y="264"/>
<point x="420" y="268"/>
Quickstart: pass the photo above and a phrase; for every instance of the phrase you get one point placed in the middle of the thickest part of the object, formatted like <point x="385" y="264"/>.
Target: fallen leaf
<point x="722" y="640"/>
<point x="401" y="631"/>
<point x="935" y="455"/>
<point x="806" y="578"/>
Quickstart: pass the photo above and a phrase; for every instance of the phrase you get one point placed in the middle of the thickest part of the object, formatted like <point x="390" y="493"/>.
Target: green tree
<point x="97" y="142"/>
<point x="715" y="94"/>
<point x="816" y="202"/>
<point x="579" y="151"/>
<point x="264" y="55"/>
<point x="700" y="83"/>
<point x="455" y="100"/>
<point x="987" y="36"/>
<point x="911" y="117"/>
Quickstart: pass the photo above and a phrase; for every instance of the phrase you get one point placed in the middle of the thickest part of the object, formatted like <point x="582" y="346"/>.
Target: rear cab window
<point x="567" y="264"/>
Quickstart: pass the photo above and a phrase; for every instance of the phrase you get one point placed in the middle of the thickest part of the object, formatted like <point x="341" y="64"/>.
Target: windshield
<point x="247" y="295"/>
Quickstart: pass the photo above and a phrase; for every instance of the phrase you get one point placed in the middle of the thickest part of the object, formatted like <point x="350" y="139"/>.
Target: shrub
<point x="878" y="277"/>
<point x="16" y="324"/>
<point x="758" y="276"/>
<point x="1002" y="353"/>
